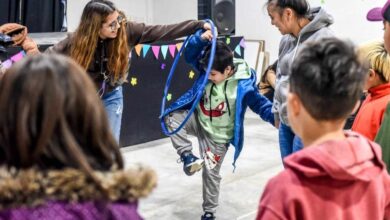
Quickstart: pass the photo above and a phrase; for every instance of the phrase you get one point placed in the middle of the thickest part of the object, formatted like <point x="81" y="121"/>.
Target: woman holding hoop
<point x="101" y="45"/>
<point x="218" y="118"/>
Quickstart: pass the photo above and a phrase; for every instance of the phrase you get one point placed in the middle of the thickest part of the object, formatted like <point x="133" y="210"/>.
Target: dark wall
<point x="36" y="15"/>
<point x="142" y="101"/>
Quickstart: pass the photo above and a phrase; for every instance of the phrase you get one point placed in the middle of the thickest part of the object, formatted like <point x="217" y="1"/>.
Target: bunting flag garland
<point x="156" y="51"/>
<point x="145" y="50"/>
<point x="238" y="50"/>
<point x="172" y="50"/>
<point x="138" y="48"/>
<point x="164" y="50"/>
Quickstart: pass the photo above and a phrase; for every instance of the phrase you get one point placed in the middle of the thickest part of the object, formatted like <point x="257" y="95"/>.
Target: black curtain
<point x="36" y="15"/>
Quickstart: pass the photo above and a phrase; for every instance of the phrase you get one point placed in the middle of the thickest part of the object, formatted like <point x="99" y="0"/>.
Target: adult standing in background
<point x="101" y="44"/>
<point x="298" y="24"/>
<point x="383" y="137"/>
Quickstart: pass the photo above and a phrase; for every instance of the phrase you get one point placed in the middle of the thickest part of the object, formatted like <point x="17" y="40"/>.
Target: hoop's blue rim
<point x="199" y="93"/>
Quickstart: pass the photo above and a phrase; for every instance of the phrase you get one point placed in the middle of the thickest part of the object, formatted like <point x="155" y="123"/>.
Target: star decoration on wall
<point x="191" y="74"/>
<point x="169" y="97"/>
<point x="133" y="81"/>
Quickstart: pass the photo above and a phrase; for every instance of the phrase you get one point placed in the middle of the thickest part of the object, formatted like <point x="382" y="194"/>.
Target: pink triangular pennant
<point x="156" y="51"/>
<point x="138" y="48"/>
<point x="242" y="43"/>
<point x="172" y="50"/>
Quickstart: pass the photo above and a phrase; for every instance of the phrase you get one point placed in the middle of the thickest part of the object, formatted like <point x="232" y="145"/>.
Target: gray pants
<point x="211" y="178"/>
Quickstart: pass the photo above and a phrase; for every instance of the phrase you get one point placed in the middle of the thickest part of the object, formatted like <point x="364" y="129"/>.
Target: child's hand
<point x="207" y="35"/>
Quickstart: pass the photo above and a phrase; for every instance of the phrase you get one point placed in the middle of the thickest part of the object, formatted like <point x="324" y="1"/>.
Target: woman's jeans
<point x="288" y="141"/>
<point x="113" y="103"/>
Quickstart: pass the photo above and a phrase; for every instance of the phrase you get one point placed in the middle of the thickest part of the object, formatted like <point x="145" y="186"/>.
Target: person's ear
<point x="288" y="13"/>
<point x="228" y="71"/>
<point x="294" y="104"/>
<point x="371" y="73"/>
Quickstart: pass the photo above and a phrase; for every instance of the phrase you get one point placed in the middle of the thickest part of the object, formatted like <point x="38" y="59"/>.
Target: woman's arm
<point x="141" y="33"/>
<point x="61" y="47"/>
<point x="194" y="48"/>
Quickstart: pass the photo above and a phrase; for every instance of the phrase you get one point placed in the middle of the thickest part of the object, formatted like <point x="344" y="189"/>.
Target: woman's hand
<point x="207" y="27"/>
<point x="207" y="35"/>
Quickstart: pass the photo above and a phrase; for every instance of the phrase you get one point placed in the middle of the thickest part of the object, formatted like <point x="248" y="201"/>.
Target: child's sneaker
<point x="191" y="164"/>
<point x="208" y="216"/>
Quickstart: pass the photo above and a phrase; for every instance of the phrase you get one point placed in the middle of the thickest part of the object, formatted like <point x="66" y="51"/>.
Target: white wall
<point x="252" y="21"/>
<point x="173" y="11"/>
<point x="136" y="10"/>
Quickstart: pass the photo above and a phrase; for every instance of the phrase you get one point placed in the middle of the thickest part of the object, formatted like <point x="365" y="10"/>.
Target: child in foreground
<point x="338" y="174"/>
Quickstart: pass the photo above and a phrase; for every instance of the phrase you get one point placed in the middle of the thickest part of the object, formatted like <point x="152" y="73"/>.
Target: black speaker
<point x="222" y="12"/>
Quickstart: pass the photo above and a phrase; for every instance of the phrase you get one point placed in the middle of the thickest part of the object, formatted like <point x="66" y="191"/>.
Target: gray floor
<point x="178" y="196"/>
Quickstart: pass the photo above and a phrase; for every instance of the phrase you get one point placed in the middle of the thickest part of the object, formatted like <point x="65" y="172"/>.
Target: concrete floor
<point x="179" y="197"/>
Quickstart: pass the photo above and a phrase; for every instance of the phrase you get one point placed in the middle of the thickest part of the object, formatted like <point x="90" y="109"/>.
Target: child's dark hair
<point x="301" y="7"/>
<point x="222" y="59"/>
<point x="328" y="78"/>
<point x="270" y="67"/>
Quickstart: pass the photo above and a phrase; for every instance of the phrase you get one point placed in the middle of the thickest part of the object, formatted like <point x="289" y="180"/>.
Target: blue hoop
<point x="199" y="93"/>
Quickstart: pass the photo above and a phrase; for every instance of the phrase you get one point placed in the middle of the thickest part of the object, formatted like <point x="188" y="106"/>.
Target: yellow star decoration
<point x="169" y="96"/>
<point x="191" y="75"/>
<point x="228" y="40"/>
<point x="133" y="81"/>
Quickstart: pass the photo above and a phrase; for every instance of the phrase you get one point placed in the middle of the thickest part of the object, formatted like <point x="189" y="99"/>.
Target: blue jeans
<point x="113" y="103"/>
<point x="288" y="141"/>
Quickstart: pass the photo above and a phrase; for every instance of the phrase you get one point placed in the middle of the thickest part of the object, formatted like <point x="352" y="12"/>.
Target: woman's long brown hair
<point x="52" y="118"/>
<point x="86" y="37"/>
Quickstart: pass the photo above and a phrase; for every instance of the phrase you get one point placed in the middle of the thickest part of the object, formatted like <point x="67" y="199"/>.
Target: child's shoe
<point x="208" y="216"/>
<point x="191" y="164"/>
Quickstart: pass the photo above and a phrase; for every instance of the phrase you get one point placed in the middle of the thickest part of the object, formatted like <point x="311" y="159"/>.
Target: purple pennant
<point x="242" y="43"/>
<point x="163" y="65"/>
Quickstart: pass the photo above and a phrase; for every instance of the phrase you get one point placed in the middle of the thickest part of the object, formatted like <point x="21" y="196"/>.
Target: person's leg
<point x="113" y="103"/>
<point x="286" y="138"/>
<point x="211" y="177"/>
<point x="180" y="141"/>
